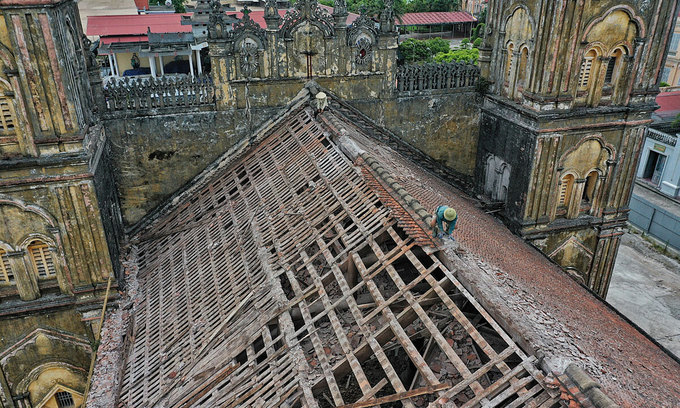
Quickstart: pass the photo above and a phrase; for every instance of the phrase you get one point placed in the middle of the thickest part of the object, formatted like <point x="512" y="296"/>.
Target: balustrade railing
<point x="436" y="76"/>
<point x="136" y="94"/>
<point x="671" y="140"/>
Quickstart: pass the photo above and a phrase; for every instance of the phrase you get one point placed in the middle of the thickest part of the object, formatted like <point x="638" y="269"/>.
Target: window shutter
<point x="42" y="260"/>
<point x="563" y="192"/>
<point x="6" y="116"/>
<point x="584" y="78"/>
<point x="6" y="275"/>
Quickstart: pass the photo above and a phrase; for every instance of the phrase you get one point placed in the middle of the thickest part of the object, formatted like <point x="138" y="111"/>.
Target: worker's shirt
<point x="441" y="220"/>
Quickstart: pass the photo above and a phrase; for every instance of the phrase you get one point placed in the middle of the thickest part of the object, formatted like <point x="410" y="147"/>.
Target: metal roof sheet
<point x="126" y="25"/>
<point x="440" y="17"/>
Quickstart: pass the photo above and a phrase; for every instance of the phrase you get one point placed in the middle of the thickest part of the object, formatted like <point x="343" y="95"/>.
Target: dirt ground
<point x="645" y="287"/>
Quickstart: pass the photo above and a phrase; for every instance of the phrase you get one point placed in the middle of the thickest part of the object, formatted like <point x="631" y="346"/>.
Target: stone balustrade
<point x="136" y="94"/>
<point x="436" y="76"/>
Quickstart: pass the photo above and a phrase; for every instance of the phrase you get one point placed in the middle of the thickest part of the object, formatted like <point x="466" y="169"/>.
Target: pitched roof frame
<point x="281" y="276"/>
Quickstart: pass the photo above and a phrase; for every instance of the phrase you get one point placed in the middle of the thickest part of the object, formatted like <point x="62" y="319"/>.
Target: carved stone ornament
<point x="364" y="52"/>
<point x="307" y="10"/>
<point x="217" y="28"/>
<point x="90" y="57"/>
<point x="362" y="25"/>
<point x="387" y="17"/>
<point x="340" y="8"/>
<point x="249" y="58"/>
<point x="246" y="26"/>
<point x="271" y="14"/>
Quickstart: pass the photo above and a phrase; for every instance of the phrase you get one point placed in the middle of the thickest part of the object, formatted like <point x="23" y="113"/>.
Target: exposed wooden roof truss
<point x="286" y="282"/>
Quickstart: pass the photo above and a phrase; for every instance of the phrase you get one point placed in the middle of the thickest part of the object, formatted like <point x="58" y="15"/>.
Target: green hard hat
<point x="449" y="214"/>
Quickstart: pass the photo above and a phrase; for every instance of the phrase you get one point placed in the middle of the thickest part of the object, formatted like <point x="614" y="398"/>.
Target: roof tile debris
<point x="532" y="295"/>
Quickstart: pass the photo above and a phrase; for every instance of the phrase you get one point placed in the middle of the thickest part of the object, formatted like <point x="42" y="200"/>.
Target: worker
<point x="444" y="215"/>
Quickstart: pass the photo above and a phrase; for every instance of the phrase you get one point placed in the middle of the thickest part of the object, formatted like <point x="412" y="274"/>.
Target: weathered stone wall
<point x="153" y="156"/>
<point x="444" y="125"/>
<point x="34" y="341"/>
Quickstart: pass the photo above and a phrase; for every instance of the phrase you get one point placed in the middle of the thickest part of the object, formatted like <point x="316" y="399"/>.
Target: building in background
<point x="474" y="7"/>
<point x="671" y="71"/>
<point x="655" y="204"/>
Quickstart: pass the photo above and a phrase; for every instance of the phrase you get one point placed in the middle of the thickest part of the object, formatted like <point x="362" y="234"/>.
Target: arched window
<point x="566" y="186"/>
<point x="586" y="69"/>
<point x="6" y="274"/>
<point x="41" y="258"/>
<point x="589" y="190"/>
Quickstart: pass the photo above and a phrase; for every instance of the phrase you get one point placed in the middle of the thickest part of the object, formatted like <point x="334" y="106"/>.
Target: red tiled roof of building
<point x="440" y="17"/>
<point x="669" y="103"/>
<point x="127" y="25"/>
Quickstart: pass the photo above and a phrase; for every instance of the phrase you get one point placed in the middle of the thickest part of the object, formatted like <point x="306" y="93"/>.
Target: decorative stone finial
<point x="340" y="13"/>
<point x="271" y="15"/>
<point x="387" y="17"/>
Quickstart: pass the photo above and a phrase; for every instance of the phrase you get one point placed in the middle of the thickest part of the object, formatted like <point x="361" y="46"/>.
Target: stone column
<point x="575" y="201"/>
<point x="25" y="277"/>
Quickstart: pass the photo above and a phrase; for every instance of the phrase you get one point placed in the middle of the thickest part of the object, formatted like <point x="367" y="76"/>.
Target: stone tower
<point x="55" y="260"/>
<point x="572" y="87"/>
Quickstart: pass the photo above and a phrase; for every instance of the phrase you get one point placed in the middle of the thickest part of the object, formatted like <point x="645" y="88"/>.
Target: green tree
<point x="179" y="5"/>
<point x="414" y="51"/>
<point x="482" y="17"/>
<point x="464" y="55"/>
<point x="420" y="6"/>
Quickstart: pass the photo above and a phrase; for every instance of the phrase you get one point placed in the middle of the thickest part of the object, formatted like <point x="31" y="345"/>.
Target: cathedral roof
<point x="299" y="270"/>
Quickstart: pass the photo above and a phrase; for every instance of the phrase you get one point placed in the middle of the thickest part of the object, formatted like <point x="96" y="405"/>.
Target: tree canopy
<point x="179" y="5"/>
<point x="414" y="51"/>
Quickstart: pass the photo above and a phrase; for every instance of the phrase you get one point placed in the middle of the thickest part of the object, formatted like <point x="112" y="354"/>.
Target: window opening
<point x="654" y="167"/>
<point x="589" y="190"/>
<point x="41" y="257"/>
<point x="6" y="275"/>
<point x="610" y="70"/>
<point x="675" y="41"/>
<point x="64" y="399"/>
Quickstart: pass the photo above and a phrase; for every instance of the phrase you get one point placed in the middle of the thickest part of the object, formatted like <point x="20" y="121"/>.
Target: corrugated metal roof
<point x="124" y="39"/>
<point x="136" y="24"/>
<point x="439" y="17"/>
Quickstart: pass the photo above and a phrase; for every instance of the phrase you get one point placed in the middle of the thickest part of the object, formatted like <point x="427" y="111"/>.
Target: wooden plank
<point x="398" y="397"/>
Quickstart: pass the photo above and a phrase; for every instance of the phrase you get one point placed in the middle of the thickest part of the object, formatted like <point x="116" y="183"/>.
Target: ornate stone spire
<point x="271" y="15"/>
<point x="387" y="17"/>
<point x="340" y="13"/>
